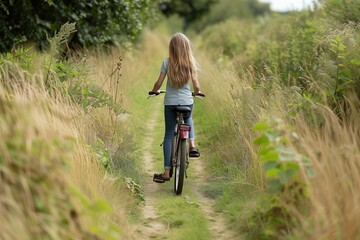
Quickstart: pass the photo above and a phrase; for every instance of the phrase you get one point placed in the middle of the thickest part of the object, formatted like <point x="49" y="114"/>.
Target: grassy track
<point x="189" y="216"/>
<point x="165" y="215"/>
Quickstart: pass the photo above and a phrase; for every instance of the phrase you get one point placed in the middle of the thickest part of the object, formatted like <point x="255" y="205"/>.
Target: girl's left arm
<point x="159" y="82"/>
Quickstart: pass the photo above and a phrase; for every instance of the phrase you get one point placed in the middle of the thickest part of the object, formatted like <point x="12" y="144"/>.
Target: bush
<point x="99" y="22"/>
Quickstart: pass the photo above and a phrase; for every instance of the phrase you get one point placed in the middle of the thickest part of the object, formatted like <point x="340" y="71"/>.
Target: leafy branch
<point x="282" y="164"/>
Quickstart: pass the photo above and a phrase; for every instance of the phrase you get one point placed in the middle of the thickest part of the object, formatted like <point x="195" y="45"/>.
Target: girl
<point x="180" y="68"/>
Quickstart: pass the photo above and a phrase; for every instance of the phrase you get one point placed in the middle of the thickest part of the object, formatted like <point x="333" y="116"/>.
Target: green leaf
<point x="285" y="157"/>
<point x="292" y="165"/>
<point x="274" y="172"/>
<point x="272" y="136"/>
<point x="262" y="141"/>
<point x="274" y="186"/>
<point x="355" y="62"/>
<point x="265" y="150"/>
<point x="338" y="39"/>
<point x="270" y="156"/>
<point x="285" y="176"/>
<point x="261" y="126"/>
<point x="270" y="165"/>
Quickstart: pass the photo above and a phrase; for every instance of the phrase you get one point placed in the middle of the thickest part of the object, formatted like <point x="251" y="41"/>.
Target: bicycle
<point x="179" y="161"/>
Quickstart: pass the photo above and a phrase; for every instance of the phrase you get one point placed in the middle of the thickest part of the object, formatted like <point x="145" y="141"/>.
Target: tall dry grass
<point x="334" y="149"/>
<point x="235" y="103"/>
<point x="238" y="97"/>
<point x="232" y="107"/>
<point x="45" y="153"/>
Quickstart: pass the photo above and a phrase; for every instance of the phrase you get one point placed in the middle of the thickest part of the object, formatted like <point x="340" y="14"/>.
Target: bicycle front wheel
<point x="180" y="167"/>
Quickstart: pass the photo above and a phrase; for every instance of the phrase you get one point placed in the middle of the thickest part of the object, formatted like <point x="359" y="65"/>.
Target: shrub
<point x="99" y="22"/>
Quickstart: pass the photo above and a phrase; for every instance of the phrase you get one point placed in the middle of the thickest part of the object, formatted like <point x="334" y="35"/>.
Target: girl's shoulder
<point x="164" y="65"/>
<point x="165" y="62"/>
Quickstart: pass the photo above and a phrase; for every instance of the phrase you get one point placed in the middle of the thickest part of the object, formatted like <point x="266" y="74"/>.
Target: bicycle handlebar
<point x="200" y="94"/>
<point x="156" y="93"/>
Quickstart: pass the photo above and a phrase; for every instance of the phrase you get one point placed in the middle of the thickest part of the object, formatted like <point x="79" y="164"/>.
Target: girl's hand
<point x="200" y="94"/>
<point x="152" y="92"/>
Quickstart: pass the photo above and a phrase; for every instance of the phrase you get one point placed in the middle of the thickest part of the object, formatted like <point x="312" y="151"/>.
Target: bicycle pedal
<point x="158" y="180"/>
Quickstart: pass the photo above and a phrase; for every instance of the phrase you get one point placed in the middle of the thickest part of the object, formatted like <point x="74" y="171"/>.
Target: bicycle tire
<point x="180" y="167"/>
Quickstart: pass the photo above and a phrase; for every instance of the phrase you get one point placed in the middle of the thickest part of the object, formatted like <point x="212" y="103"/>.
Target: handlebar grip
<point x="153" y="93"/>
<point x="200" y="94"/>
<point x="156" y="93"/>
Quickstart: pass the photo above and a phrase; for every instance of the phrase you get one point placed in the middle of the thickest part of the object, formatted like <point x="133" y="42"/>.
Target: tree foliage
<point x="225" y="9"/>
<point x="189" y="10"/>
<point x="98" y="22"/>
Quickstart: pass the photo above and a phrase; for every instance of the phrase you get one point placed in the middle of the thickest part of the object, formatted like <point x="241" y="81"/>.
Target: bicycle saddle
<point x="183" y="109"/>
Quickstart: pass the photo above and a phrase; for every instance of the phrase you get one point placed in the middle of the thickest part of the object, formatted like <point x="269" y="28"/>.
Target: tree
<point x="98" y="22"/>
<point x="189" y="10"/>
<point x="224" y="9"/>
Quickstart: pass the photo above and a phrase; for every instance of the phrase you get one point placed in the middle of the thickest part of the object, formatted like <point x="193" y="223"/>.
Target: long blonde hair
<point x="182" y="67"/>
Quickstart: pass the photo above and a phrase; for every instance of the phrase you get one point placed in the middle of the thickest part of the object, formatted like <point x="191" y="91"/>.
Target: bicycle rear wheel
<point x="180" y="167"/>
<point x="173" y="155"/>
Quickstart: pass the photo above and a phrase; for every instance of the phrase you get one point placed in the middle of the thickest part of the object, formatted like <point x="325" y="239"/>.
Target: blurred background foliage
<point x="226" y="9"/>
<point x="190" y="11"/>
<point x="110" y="22"/>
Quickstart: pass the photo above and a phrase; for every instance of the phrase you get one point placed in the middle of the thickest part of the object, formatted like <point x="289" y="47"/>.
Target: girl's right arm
<point x="196" y="86"/>
<point x="159" y="82"/>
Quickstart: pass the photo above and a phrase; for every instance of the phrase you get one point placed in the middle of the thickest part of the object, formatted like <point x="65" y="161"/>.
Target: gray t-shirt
<point x="176" y="96"/>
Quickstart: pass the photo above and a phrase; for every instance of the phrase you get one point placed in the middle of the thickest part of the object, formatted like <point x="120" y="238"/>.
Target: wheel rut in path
<point x="216" y="220"/>
<point x="150" y="227"/>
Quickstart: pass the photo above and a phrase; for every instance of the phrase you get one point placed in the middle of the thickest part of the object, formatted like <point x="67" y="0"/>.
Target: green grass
<point x="184" y="220"/>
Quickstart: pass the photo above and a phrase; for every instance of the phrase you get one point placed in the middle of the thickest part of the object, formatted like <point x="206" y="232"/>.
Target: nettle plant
<point x="343" y="74"/>
<point x="283" y="165"/>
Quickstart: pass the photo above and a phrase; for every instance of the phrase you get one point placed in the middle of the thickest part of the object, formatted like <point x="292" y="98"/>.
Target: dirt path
<point x="217" y="223"/>
<point x="150" y="227"/>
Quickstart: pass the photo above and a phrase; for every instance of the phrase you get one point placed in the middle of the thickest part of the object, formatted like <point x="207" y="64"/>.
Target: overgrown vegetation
<point x="280" y="123"/>
<point x="301" y="68"/>
<point x="60" y="161"/>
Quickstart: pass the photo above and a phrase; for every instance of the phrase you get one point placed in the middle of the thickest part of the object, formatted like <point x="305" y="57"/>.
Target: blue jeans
<point x="170" y="123"/>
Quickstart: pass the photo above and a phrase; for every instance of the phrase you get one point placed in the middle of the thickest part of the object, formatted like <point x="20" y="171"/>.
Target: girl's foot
<point x="160" y="178"/>
<point x="194" y="152"/>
